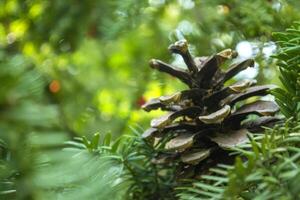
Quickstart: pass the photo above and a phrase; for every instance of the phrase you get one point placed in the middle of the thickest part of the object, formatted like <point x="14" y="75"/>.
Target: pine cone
<point x="204" y="120"/>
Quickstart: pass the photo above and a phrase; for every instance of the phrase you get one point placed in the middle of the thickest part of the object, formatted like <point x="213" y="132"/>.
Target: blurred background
<point x="76" y="67"/>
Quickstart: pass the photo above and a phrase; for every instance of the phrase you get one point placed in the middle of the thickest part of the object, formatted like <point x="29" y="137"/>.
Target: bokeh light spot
<point x="244" y="49"/>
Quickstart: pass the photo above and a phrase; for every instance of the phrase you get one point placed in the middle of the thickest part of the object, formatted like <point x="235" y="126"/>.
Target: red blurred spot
<point x="54" y="86"/>
<point x="141" y="101"/>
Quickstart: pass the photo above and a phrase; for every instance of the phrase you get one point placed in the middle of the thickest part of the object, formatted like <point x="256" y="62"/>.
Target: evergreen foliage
<point x="28" y="124"/>
<point x="289" y="59"/>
